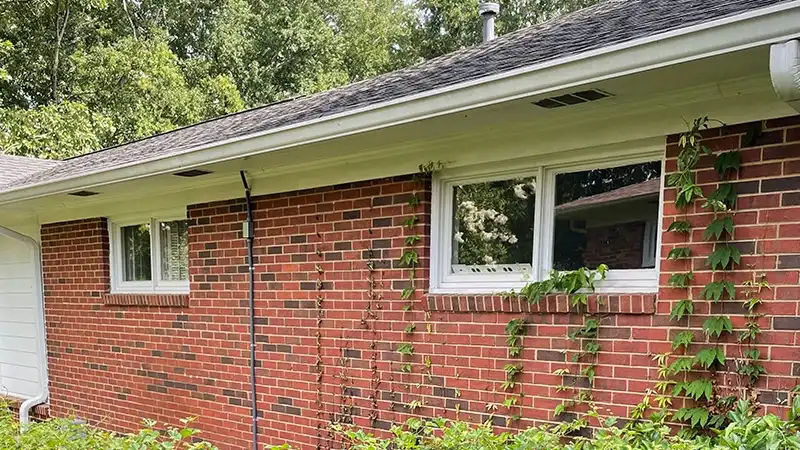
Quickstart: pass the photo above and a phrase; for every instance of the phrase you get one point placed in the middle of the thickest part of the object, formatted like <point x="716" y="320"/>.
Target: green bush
<point x="63" y="434"/>
<point x="746" y="431"/>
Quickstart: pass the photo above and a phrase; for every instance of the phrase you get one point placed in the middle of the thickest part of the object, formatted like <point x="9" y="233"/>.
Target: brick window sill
<point x="552" y="304"/>
<point x="158" y="300"/>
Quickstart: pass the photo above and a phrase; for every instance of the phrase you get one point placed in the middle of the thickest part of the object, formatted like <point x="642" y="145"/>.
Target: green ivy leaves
<point x="718" y="227"/>
<point x="713" y="291"/>
<point x="709" y="357"/>
<point x="727" y="162"/>
<point x="723" y="256"/>
<point x="682" y="339"/>
<point x="680" y="226"/>
<point x="681" y="309"/>
<point x="716" y="325"/>
<point x="698" y="389"/>
<point x="679" y="253"/>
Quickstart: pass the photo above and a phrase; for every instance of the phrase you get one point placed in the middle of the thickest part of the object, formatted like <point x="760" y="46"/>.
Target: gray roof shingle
<point x="16" y="167"/>
<point x="607" y="23"/>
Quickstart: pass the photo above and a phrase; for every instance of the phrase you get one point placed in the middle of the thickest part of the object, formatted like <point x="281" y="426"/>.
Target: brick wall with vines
<point x="346" y="334"/>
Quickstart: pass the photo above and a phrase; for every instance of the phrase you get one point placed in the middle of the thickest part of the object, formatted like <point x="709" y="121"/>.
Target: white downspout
<point x="784" y="69"/>
<point x="41" y="348"/>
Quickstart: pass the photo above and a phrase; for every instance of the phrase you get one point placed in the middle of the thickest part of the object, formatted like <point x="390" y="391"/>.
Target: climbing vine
<point x="577" y="285"/>
<point x="691" y="370"/>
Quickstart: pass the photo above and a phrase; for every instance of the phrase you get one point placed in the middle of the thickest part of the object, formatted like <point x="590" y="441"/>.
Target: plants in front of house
<point x="64" y="434"/>
<point x="744" y="431"/>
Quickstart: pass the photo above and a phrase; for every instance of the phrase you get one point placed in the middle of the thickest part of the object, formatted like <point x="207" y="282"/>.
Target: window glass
<point x="493" y="223"/>
<point x="174" y="253"/>
<point x="606" y="216"/>
<point x="136" y="253"/>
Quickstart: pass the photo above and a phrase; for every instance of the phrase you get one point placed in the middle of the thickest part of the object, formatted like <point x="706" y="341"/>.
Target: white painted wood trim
<point x="545" y="169"/>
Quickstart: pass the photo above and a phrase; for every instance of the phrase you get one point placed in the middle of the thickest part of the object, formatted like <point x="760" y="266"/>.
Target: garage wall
<point x="21" y="358"/>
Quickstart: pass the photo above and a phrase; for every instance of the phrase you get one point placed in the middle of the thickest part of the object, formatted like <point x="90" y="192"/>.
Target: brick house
<point x="142" y="249"/>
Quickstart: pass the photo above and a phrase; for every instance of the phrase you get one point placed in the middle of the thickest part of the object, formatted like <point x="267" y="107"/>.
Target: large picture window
<point x="496" y="232"/>
<point x="150" y="255"/>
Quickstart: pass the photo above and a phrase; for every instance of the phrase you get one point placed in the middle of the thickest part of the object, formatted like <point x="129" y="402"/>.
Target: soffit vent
<point x="192" y="173"/>
<point x="574" y="98"/>
<point x="83" y="193"/>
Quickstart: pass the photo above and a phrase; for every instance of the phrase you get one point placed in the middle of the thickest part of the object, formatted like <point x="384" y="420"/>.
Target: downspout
<point x="41" y="348"/>
<point x="784" y="70"/>
<point x="248" y="233"/>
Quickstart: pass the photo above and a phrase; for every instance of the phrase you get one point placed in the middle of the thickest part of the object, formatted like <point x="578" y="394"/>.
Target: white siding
<point x="20" y="332"/>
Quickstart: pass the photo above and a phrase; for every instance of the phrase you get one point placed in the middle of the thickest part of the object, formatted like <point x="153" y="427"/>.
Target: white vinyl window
<point x="150" y="255"/>
<point x="494" y="231"/>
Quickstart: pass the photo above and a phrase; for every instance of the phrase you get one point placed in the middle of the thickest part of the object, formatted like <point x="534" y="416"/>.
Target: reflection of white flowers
<point x="501" y="219"/>
<point x="512" y="239"/>
<point x="488" y="259"/>
<point x="519" y="191"/>
<point x="459" y="237"/>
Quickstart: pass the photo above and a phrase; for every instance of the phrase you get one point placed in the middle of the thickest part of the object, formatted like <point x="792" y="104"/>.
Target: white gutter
<point x="748" y="30"/>
<point x="784" y="70"/>
<point x="41" y="347"/>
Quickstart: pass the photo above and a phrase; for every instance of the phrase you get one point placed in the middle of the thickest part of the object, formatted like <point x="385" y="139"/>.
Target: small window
<point x="150" y="256"/>
<point x="494" y="233"/>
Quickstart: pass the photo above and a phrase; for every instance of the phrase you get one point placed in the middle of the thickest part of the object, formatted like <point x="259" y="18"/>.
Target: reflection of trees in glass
<point x="174" y="251"/>
<point x="570" y="245"/>
<point x="494" y="222"/>
<point x="136" y="252"/>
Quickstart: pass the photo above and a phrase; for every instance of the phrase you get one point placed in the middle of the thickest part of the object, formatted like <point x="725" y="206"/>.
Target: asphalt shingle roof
<point x="607" y="23"/>
<point x="16" y="167"/>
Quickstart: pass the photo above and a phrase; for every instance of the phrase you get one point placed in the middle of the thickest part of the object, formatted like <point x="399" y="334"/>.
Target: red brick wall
<point x="321" y="309"/>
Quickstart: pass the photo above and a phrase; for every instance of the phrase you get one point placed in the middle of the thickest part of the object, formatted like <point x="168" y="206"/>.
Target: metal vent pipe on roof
<point x="488" y="11"/>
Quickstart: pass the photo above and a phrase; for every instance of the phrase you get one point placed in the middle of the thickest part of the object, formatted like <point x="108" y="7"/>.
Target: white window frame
<point x="155" y="284"/>
<point x="544" y="169"/>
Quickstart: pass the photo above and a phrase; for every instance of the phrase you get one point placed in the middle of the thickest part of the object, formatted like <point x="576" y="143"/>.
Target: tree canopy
<point x="78" y="75"/>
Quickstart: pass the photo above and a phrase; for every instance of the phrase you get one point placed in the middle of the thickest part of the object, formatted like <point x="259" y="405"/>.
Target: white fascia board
<point x="752" y="29"/>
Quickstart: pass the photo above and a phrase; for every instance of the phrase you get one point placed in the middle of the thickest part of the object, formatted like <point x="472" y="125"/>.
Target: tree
<point x="140" y="87"/>
<point x="55" y="131"/>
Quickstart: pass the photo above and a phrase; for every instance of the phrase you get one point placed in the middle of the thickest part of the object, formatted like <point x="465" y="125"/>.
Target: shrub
<point x="746" y="431"/>
<point x="63" y="434"/>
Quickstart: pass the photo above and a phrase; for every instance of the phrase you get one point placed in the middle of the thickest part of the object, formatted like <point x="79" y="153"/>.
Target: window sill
<point x="147" y="299"/>
<point x="642" y="303"/>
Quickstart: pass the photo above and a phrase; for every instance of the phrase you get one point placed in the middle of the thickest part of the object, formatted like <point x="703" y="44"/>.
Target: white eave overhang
<point x="756" y="28"/>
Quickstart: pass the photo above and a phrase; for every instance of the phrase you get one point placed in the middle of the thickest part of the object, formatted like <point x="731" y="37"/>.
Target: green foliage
<point x="567" y="282"/>
<point x="722" y="199"/>
<point x="696" y="417"/>
<point x="710" y="357"/>
<point x="405" y="349"/>
<point x="683" y="339"/>
<point x="723" y="256"/>
<point x="680" y="365"/>
<point x="713" y="291"/>
<point x="718" y="227"/>
<point x="716" y="325"/>
<point x="679" y="253"/>
<point x="699" y="389"/>
<point x="680" y="226"/>
<point x="680" y="280"/>
<point x="681" y="309"/>
<point x="58" y="131"/>
<point x="744" y="432"/>
<point x="727" y="162"/>
<point x="63" y="434"/>
<point x="515" y="329"/>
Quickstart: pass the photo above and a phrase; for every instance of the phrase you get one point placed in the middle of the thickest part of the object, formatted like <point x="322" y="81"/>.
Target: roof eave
<point x="752" y="29"/>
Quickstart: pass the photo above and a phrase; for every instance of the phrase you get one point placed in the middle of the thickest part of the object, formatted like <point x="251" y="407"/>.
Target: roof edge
<point x="754" y="28"/>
